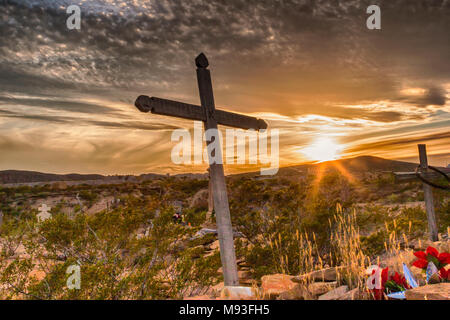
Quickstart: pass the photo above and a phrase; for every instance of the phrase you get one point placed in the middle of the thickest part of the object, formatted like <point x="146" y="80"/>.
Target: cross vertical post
<point x="210" y="198"/>
<point x="217" y="176"/>
<point x="428" y="195"/>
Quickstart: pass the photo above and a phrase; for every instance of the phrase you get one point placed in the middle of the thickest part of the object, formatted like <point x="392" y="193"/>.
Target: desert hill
<point x="365" y="163"/>
<point x="355" y="165"/>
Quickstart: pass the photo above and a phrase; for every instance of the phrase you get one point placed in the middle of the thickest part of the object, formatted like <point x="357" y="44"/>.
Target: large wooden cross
<point x="427" y="189"/>
<point x="211" y="118"/>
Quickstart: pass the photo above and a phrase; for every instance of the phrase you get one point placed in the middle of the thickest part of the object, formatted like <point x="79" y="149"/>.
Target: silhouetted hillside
<point x="18" y="176"/>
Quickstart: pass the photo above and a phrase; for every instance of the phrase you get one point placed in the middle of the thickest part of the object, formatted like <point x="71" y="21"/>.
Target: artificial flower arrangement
<point x="439" y="260"/>
<point x="390" y="284"/>
<point x="395" y="285"/>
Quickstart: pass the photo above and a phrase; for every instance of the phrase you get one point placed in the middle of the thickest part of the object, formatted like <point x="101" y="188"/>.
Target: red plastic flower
<point x="444" y="258"/>
<point x="444" y="274"/>
<point x="421" y="263"/>
<point x="431" y="255"/>
<point x="432" y="251"/>
<point x="400" y="280"/>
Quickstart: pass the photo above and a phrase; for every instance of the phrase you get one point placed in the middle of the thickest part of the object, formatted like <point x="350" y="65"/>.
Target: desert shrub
<point x="205" y="240"/>
<point x="411" y="221"/>
<point x="374" y="244"/>
<point x="195" y="216"/>
<point x="443" y="212"/>
<point x="114" y="263"/>
<point x="88" y="196"/>
<point x="393" y="198"/>
<point x="383" y="180"/>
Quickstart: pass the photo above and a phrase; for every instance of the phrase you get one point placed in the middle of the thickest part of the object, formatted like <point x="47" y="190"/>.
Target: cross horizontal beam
<point x="192" y="112"/>
<point x="411" y="176"/>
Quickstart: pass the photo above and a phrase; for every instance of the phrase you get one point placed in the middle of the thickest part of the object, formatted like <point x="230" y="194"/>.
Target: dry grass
<point x="345" y="250"/>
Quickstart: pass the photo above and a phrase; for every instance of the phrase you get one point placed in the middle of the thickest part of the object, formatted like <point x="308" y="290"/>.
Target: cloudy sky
<point x="311" y="68"/>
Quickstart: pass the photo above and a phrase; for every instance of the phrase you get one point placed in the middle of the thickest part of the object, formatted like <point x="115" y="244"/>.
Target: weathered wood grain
<point x="220" y="196"/>
<point x="428" y="193"/>
<point x="192" y="112"/>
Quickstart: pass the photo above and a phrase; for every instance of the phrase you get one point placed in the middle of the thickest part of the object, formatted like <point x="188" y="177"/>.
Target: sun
<point x="322" y="149"/>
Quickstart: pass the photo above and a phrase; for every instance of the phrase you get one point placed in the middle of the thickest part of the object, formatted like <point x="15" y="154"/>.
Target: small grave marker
<point x="44" y="213"/>
<point x="423" y="174"/>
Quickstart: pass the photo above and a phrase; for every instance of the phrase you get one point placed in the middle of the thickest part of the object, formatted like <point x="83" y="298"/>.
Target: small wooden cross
<point x="44" y="212"/>
<point x="427" y="189"/>
<point x="211" y="118"/>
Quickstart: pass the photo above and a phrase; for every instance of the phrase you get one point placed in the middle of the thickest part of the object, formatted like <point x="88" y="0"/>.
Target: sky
<point x="311" y="69"/>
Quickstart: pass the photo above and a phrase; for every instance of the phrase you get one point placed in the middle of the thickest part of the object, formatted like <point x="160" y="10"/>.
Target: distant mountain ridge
<point x="358" y="164"/>
<point x="10" y="177"/>
<point x="20" y="176"/>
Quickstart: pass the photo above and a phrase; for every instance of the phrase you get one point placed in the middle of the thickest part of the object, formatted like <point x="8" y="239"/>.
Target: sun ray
<point x="319" y="173"/>
<point x="344" y="171"/>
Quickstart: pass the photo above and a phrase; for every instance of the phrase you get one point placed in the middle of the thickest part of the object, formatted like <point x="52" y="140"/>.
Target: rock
<point x="244" y="275"/>
<point x="199" y="298"/>
<point x="239" y="293"/>
<point x="439" y="291"/>
<point x="214" y="246"/>
<point x="354" y="294"/>
<point x="202" y="232"/>
<point x="241" y="262"/>
<point x="37" y="275"/>
<point x="273" y="285"/>
<point x="307" y="292"/>
<point x="245" y="278"/>
<point x="299" y="292"/>
<point x="216" y="290"/>
<point x="248" y="282"/>
<point x="329" y="274"/>
<point x="320" y="288"/>
<point x="335" y="294"/>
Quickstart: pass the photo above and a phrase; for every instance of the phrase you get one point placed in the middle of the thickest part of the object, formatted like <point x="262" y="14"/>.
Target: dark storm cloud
<point x="318" y="41"/>
<point x="433" y="96"/>
<point x="288" y="57"/>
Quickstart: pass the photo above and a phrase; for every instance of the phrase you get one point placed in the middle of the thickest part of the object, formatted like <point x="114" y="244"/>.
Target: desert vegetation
<point x="128" y="245"/>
